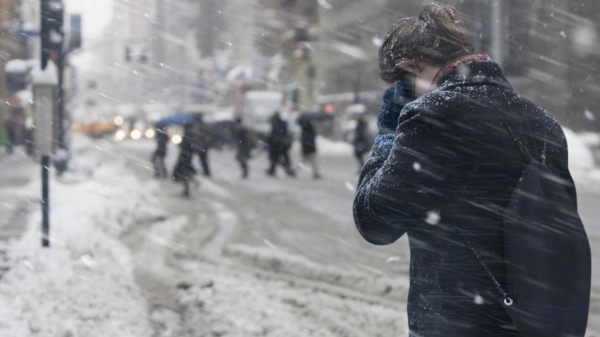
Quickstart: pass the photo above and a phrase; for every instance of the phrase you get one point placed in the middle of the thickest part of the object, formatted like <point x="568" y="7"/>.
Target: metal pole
<point x="497" y="24"/>
<point x="61" y="101"/>
<point x="44" y="97"/>
<point x="45" y="201"/>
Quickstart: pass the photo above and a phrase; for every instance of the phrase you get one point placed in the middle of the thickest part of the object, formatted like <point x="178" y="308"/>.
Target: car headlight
<point x="120" y="135"/>
<point x="176" y="139"/>
<point x="150" y="133"/>
<point x="136" y="134"/>
<point x="118" y="120"/>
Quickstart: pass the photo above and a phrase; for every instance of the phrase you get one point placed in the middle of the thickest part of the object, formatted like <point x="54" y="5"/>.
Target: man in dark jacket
<point x="444" y="167"/>
<point x="158" y="158"/>
<point x="308" y="140"/>
<point x="185" y="171"/>
<point x="243" y="146"/>
<point x="280" y="142"/>
<point x="203" y="142"/>
<point x="361" y="140"/>
<point x="11" y="134"/>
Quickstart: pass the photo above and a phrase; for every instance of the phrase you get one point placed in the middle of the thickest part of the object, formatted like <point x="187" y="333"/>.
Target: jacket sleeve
<point x="407" y="177"/>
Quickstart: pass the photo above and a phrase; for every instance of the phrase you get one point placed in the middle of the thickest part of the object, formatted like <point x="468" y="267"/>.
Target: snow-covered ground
<point x="580" y="155"/>
<point x="125" y="263"/>
<point x="263" y="292"/>
<point x="110" y="241"/>
<point x="83" y="285"/>
<point x="584" y="169"/>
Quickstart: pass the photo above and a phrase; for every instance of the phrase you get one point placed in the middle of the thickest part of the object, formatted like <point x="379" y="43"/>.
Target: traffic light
<point x="52" y="33"/>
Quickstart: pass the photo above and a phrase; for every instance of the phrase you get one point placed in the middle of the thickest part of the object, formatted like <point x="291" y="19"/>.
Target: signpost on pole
<point x="44" y="97"/>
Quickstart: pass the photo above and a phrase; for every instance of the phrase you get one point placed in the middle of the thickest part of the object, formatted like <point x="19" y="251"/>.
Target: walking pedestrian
<point x="443" y="168"/>
<point x="184" y="171"/>
<point x="244" y="146"/>
<point x="204" y="141"/>
<point x="11" y="137"/>
<point x="308" y="141"/>
<point x="280" y="142"/>
<point x="158" y="157"/>
<point x="361" y="141"/>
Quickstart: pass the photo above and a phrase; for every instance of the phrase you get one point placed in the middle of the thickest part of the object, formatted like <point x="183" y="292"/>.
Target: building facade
<point x="11" y="47"/>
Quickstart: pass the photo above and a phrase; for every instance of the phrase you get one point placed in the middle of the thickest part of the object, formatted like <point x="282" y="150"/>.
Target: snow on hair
<point x="436" y="37"/>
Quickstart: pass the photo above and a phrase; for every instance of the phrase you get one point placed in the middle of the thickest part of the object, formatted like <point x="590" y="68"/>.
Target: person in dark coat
<point x="184" y="171"/>
<point x="361" y="140"/>
<point x="11" y="134"/>
<point x="308" y="140"/>
<point x="443" y="167"/>
<point x="243" y="146"/>
<point x="280" y="142"/>
<point x="204" y="141"/>
<point x="158" y="158"/>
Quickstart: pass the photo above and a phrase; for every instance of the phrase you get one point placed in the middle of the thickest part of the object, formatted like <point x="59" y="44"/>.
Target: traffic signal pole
<point x="48" y="91"/>
<point x="44" y="99"/>
<point x="45" y="200"/>
<point x="53" y="48"/>
<point x="61" y="100"/>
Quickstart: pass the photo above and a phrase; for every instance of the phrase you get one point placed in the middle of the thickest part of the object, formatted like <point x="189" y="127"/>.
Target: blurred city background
<point x="263" y="256"/>
<point x="144" y="59"/>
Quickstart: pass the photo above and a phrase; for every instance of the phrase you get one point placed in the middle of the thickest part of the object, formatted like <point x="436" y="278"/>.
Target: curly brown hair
<point x="436" y="37"/>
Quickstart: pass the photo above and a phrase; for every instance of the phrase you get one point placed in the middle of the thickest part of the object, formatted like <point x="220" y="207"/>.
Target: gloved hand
<point x="394" y="99"/>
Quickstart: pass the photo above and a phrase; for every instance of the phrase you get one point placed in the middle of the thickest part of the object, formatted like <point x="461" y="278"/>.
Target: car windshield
<point x="299" y="168"/>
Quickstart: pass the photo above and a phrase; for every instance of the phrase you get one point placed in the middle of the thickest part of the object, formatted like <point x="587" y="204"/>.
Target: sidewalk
<point x="82" y="285"/>
<point x="16" y="171"/>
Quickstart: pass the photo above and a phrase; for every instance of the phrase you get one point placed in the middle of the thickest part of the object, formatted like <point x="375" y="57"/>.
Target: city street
<point x="310" y="218"/>
<point x="258" y="257"/>
<point x="99" y="237"/>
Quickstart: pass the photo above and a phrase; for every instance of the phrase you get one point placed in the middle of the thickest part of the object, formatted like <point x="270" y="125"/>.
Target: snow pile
<point x="277" y="260"/>
<point x="226" y="298"/>
<point x="234" y="303"/>
<point x="83" y="285"/>
<point x="330" y="147"/>
<point x="590" y="139"/>
<point x="48" y="76"/>
<point x="581" y="162"/>
<point x="580" y="156"/>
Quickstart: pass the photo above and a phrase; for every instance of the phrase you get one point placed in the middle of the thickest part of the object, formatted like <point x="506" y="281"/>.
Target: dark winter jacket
<point x="361" y="137"/>
<point x="450" y="167"/>
<point x="185" y="169"/>
<point x="279" y="138"/>
<point x="205" y="137"/>
<point x="308" y="137"/>
<point x="162" y="138"/>
<point x="244" y="143"/>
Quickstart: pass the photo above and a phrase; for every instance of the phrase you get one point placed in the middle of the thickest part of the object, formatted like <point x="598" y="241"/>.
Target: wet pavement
<point x="312" y="218"/>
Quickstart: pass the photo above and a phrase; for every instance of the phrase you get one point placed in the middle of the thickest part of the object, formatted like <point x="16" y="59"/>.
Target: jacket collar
<point x="470" y="70"/>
